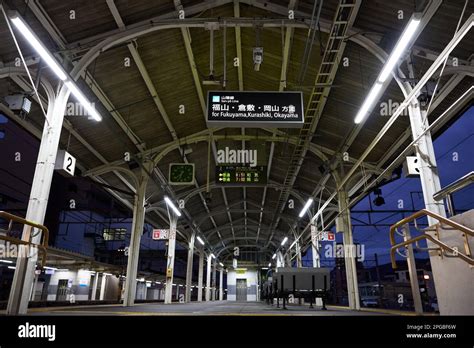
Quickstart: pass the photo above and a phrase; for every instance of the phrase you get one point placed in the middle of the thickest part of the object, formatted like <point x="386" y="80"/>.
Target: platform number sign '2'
<point x="65" y="163"/>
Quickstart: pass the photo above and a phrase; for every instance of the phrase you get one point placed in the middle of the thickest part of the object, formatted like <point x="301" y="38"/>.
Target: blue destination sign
<point x="255" y="109"/>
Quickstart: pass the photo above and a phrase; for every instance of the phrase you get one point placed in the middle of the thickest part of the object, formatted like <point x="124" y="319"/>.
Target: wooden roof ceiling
<point x="164" y="55"/>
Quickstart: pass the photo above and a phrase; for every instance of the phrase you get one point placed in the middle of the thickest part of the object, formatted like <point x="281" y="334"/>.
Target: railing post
<point x="415" y="289"/>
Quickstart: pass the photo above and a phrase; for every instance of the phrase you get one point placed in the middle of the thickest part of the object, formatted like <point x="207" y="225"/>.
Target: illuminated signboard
<point x="241" y="175"/>
<point x="255" y="109"/>
<point x="241" y="167"/>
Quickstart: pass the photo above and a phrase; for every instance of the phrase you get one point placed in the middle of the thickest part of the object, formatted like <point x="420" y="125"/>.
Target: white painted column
<point x="316" y="257"/>
<point x="221" y="284"/>
<point x="287" y="258"/>
<point x="415" y="287"/>
<point x="299" y="262"/>
<point x="280" y="261"/>
<point x="38" y="201"/>
<point x="189" y="268"/>
<point x="33" y="287"/>
<point x="102" y="286"/>
<point x="134" y="248"/>
<point x="343" y="223"/>
<point x="200" y="275"/>
<point x="315" y="247"/>
<point x="94" y="287"/>
<point x="429" y="176"/>
<point x="170" y="261"/>
<point x="214" y="280"/>
<point x="208" y="278"/>
<point x="178" y="287"/>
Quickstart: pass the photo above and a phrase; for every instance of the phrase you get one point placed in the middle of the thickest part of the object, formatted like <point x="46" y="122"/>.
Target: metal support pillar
<point x="38" y="201"/>
<point x="316" y="257"/>
<point x="189" y="268"/>
<point x="343" y="223"/>
<point x="134" y="247"/>
<point x="170" y="261"/>
<point x="429" y="177"/>
<point x="33" y="287"/>
<point x="214" y="280"/>
<point x="221" y="284"/>
<point x="299" y="262"/>
<point x="287" y="258"/>
<point x="280" y="260"/>
<point x="200" y="275"/>
<point x="102" y="287"/>
<point x="94" y="287"/>
<point x="415" y="288"/>
<point x="208" y="278"/>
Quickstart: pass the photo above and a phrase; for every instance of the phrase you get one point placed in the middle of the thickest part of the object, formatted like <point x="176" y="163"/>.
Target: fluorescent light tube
<point x="306" y="207"/>
<point x="200" y="240"/>
<point x="220" y="263"/>
<point x="369" y="102"/>
<point x="284" y="241"/>
<point x="83" y="100"/>
<point x="172" y="206"/>
<point x="6" y="261"/>
<point x="12" y="267"/>
<point x="53" y="268"/>
<point x="270" y="264"/>
<point x="38" y="46"/>
<point x="273" y="257"/>
<point x="402" y="44"/>
<point x="213" y="256"/>
<point x="400" y="47"/>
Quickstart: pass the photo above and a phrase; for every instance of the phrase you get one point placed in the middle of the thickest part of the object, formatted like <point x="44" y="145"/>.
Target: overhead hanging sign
<point x="255" y="109"/>
<point x="237" y="166"/>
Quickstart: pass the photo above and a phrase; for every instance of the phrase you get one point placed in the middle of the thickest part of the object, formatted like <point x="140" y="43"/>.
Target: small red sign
<point x="160" y="234"/>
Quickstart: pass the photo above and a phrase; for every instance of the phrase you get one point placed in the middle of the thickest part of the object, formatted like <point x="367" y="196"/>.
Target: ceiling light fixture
<point x="172" y="206"/>
<point x="200" y="240"/>
<point x="33" y="40"/>
<point x="403" y="42"/>
<point x="306" y="207"/>
<point x="284" y="241"/>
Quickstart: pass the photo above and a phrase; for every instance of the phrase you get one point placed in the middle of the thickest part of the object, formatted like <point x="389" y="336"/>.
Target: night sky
<point x="459" y="138"/>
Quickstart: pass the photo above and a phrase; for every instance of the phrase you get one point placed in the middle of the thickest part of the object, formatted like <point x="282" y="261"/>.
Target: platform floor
<point x="219" y="308"/>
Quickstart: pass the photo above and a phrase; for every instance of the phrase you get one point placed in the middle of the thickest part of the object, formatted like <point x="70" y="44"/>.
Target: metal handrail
<point x="13" y="218"/>
<point x="442" y="220"/>
<point x="460" y="183"/>
<point x="455" y="252"/>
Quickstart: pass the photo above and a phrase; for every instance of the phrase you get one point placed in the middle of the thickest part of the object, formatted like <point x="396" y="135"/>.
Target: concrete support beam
<point x="343" y="224"/>
<point x="189" y="268"/>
